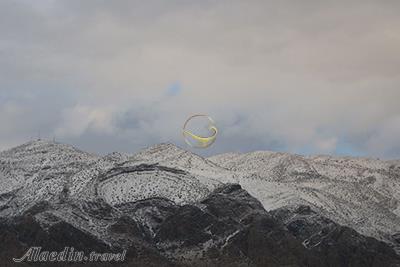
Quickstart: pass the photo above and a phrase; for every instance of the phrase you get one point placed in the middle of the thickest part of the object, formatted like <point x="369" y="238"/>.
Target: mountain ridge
<point x="362" y="194"/>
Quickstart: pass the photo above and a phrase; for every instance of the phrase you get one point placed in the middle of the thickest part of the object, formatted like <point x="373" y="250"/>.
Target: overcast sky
<point x="309" y="77"/>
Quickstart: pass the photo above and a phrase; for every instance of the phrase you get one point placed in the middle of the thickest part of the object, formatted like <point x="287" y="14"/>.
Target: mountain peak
<point x="164" y="147"/>
<point x="163" y="152"/>
<point x="41" y="146"/>
<point x="39" y="169"/>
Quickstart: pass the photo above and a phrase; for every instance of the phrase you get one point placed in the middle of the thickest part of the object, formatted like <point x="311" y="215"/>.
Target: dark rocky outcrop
<point x="337" y="245"/>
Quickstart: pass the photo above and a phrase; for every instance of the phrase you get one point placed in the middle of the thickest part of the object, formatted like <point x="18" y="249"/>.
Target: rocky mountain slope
<point x="37" y="171"/>
<point x="227" y="228"/>
<point x="361" y="193"/>
<point x="170" y="207"/>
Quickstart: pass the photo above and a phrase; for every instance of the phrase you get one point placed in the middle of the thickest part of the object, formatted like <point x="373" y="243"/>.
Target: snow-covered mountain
<point x="361" y="193"/>
<point x="36" y="171"/>
<point x="167" y="154"/>
<point x="56" y="183"/>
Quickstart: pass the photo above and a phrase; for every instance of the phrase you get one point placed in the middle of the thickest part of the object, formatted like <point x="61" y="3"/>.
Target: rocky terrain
<point x="361" y="193"/>
<point x="169" y="207"/>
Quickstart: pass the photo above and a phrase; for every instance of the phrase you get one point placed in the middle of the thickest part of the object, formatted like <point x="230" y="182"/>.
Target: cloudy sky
<point x="300" y="76"/>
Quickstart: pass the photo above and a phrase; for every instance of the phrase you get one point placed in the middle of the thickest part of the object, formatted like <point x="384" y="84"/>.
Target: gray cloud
<point x="305" y="77"/>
